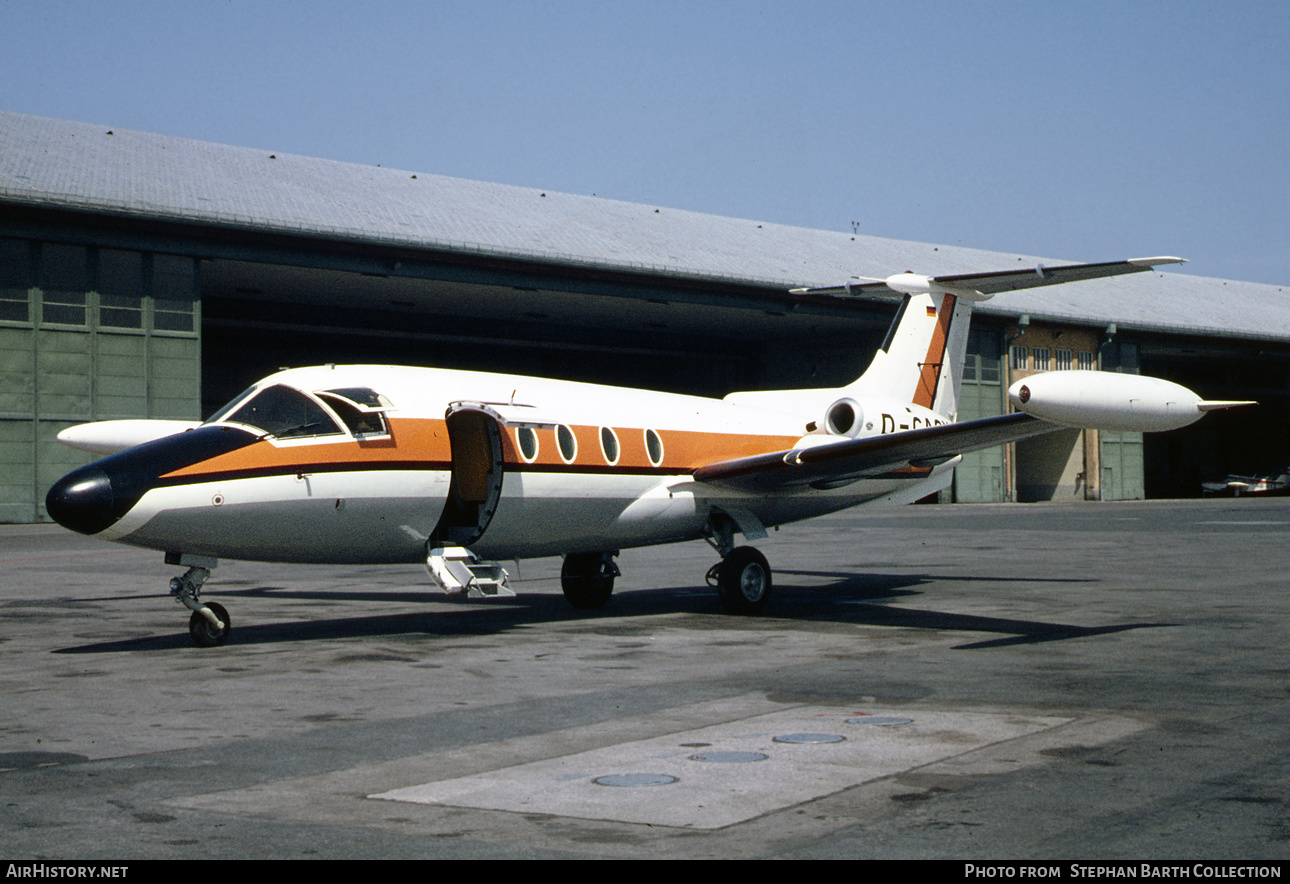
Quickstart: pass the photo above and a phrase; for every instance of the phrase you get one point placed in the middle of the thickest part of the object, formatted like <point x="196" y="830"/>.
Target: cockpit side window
<point x="362" y="410"/>
<point x="285" y="413"/>
<point x="360" y="423"/>
<point x="364" y="397"/>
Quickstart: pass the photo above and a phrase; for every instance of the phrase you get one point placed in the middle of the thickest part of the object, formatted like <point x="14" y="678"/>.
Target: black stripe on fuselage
<point x="305" y="469"/>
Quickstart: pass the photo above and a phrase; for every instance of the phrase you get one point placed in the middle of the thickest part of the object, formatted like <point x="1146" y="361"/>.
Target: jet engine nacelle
<point x="1108" y="401"/>
<point x="844" y="417"/>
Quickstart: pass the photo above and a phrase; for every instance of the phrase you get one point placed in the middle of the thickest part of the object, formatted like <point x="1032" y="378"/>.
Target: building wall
<point x="87" y="334"/>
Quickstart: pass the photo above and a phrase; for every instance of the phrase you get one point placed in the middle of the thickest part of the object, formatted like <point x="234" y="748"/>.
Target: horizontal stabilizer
<point x="988" y="283"/>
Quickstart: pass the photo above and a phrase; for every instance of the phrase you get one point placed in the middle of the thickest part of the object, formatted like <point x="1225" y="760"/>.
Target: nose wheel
<point x="204" y="632"/>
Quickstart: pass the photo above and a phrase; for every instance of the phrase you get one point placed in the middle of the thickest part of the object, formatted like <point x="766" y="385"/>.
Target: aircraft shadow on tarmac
<point x="858" y="599"/>
<point x="866" y="595"/>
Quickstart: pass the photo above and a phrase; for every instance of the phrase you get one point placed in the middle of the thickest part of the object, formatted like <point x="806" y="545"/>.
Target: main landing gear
<point x="209" y="624"/>
<point x="588" y="578"/>
<point x="742" y="577"/>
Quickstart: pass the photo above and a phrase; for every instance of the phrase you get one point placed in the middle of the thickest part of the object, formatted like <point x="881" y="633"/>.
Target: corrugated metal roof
<point x="86" y="166"/>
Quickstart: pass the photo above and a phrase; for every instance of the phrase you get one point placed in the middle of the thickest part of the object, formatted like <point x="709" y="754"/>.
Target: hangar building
<point x="148" y="276"/>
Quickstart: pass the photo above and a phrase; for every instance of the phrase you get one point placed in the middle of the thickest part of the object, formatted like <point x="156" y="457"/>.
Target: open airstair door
<point x="475" y="438"/>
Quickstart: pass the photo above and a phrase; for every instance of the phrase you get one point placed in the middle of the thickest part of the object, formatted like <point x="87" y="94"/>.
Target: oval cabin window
<point x="528" y="443"/>
<point x="609" y="445"/>
<point x="567" y="444"/>
<point x="654" y="447"/>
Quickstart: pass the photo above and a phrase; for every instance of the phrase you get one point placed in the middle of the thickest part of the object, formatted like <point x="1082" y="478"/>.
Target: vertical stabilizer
<point x="921" y="360"/>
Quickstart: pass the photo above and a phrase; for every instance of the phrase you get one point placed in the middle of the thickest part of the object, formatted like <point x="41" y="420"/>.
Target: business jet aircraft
<point x="375" y="464"/>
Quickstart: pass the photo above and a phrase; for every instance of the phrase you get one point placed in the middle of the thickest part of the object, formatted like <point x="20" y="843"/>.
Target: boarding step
<point x="456" y="569"/>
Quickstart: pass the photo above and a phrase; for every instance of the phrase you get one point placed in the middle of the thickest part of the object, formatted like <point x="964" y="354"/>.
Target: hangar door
<point x="1122" y="473"/>
<point x="87" y="334"/>
<point x="979" y="477"/>
<point x="1121" y="453"/>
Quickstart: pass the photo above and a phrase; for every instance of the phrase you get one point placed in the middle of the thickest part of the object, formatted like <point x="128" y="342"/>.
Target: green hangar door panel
<point x="1122" y="470"/>
<point x="979" y="477"/>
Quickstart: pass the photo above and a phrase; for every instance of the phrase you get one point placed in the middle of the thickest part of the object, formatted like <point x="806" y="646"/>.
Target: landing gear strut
<point x="209" y="624"/>
<point x="742" y="577"/>
<point x="588" y="578"/>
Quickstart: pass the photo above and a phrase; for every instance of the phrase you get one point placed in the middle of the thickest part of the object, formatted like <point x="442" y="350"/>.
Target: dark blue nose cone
<point x="94" y="497"/>
<point x="83" y="500"/>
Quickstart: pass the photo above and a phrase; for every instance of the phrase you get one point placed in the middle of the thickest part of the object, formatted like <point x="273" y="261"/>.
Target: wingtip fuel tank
<point x="109" y="437"/>
<point x="1110" y="401"/>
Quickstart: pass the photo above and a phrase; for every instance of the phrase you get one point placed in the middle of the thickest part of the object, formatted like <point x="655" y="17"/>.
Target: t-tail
<point x="921" y="360"/>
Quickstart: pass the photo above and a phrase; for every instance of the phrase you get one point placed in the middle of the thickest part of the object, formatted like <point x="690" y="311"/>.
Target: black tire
<point x="743" y="582"/>
<point x="588" y="579"/>
<point x="206" y="635"/>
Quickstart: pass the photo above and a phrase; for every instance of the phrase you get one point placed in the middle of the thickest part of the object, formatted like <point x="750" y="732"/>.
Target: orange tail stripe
<point x="930" y="374"/>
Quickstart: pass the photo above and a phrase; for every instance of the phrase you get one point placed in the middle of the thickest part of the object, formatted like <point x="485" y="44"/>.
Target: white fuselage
<point x="372" y="497"/>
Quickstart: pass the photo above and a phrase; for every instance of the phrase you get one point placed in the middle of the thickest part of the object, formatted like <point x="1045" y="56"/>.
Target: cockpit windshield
<point x="231" y="406"/>
<point x="283" y="412"/>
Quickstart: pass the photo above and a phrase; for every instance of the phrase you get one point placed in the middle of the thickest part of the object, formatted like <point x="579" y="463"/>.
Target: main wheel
<point x="743" y="581"/>
<point x="203" y="631"/>
<point x="588" y="579"/>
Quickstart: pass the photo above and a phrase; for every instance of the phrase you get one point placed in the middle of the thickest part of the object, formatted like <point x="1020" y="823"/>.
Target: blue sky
<point x="1076" y="130"/>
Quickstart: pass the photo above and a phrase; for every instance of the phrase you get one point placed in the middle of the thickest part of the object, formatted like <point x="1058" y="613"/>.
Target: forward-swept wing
<point x="833" y="463"/>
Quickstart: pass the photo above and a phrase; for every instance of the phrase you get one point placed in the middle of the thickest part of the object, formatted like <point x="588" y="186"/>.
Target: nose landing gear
<point x="202" y="625"/>
<point x="209" y="624"/>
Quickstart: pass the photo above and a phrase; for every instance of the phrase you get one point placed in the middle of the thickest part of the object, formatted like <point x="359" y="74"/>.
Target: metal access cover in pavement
<point x="704" y="795"/>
